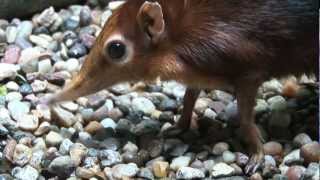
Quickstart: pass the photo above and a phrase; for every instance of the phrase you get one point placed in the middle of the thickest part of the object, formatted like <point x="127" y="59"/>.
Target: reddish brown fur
<point x="219" y="44"/>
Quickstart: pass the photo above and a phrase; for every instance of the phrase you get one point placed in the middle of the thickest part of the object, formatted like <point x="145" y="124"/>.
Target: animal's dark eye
<point x="116" y="50"/>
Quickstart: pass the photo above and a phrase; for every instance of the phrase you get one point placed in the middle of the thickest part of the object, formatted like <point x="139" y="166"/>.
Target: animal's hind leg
<point x="246" y="95"/>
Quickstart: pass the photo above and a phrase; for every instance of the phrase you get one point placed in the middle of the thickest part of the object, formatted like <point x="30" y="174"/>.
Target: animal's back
<point x="231" y="38"/>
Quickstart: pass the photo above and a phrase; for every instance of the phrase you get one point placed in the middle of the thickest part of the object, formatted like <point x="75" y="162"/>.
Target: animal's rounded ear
<point x="150" y="19"/>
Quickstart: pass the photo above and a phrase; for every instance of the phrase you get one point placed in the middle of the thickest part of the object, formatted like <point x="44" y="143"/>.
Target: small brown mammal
<point x="216" y="44"/>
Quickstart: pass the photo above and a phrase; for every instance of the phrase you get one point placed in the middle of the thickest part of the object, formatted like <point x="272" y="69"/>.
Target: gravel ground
<point x="114" y="134"/>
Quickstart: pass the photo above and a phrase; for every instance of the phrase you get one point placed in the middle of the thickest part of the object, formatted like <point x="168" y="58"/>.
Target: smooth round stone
<point x="130" y="147"/>
<point x="71" y="23"/>
<point x="143" y="104"/>
<point x="269" y="161"/>
<point x="84" y="173"/>
<point x="39" y="86"/>
<point x="53" y="138"/>
<point x="17" y="109"/>
<point x="62" y="165"/>
<point x="87" y="40"/>
<point x="72" y="65"/>
<point x="108" y="123"/>
<point x="47" y="17"/>
<point x="25" y="89"/>
<point x="77" y="51"/>
<point x="160" y="169"/>
<point x="173" y="88"/>
<point x="178" y="162"/>
<point x="295" y="172"/>
<point x="70" y="106"/>
<point x="85" y="16"/>
<point x="28" y="122"/>
<point x="25" y="173"/>
<point x="40" y="30"/>
<point x="23" y="43"/>
<point x="125" y="170"/>
<point x="12" y="54"/>
<point x="44" y="127"/>
<point x="301" y="139"/>
<point x="8" y="71"/>
<point x="189" y="173"/>
<point x="310" y="152"/>
<point x="109" y="157"/>
<point x="87" y="113"/>
<point x="22" y="154"/>
<point x="277" y="103"/>
<point x="77" y="153"/>
<point x="273" y="148"/>
<point x="11" y="34"/>
<point x="168" y="105"/>
<point x="44" y="66"/>
<point x="219" y="148"/>
<point x="293" y="156"/>
<point x="261" y="106"/>
<point x="65" y="146"/>
<point x="273" y="86"/>
<point x="93" y="127"/>
<point x="12" y="86"/>
<point x="222" y="169"/>
<point x="13" y="96"/>
<point x="41" y="40"/>
<point x="228" y="157"/>
<point x="24" y="29"/>
<point x="64" y="117"/>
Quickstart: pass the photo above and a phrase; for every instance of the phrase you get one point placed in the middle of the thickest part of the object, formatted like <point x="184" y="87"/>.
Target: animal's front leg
<point x="250" y="133"/>
<point x="189" y="101"/>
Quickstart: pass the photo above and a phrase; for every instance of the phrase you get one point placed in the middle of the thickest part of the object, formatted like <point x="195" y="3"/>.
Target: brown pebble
<point x="9" y="149"/>
<point x="310" y="152"/>
<point x="273" y="148"/>
<point x="160" y="169"/>
<point x="295" y="172"/>
<point x="93" y="127"/>
<point x="290" y="88"/>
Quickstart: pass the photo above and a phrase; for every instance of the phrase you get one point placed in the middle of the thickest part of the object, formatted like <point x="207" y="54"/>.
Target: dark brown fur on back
<point x="234" y="38"/>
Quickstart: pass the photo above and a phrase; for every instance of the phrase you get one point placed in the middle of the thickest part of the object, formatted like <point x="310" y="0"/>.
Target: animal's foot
<point x="254" y="163"/>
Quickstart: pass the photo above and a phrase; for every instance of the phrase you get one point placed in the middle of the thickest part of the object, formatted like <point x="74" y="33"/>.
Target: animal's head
<point x="130" y="47"/>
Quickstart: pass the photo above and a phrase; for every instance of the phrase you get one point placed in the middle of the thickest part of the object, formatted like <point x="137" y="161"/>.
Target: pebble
<point x="130" y="147"/>
<point x="28" y="122"/>
<point x="145" y="173"/>
<point x="17" y="109"/>
<point x="310" y="152"/>
<point x="41" y="40"/>
<point x="47" y="17"/>
<point x="295" y="172"/>
<point x="228" y="157"/>
<point x="39" y="86"/>
<point x="312" y="172"/>
<point x="8" y="71"/>
<point x="13" y="96"/>
<point x="12" y="55"/>
<point x="24" y="29"/>
<point x="273" y="148"/>
<point x="65" y="118"/>
<point x="85" y="16"/>
<point x="3" y="37"/>
<point x="37" y="158"/>
<point x="277" y="103"/>
<point x="84" y="173"/>
<point x="301" y="139"/>
<point x="62" y="166"/>
<point x="189" y="173"/>
<point x="121" y="171"/>
<point x="179" y="162"/>
<point x="53" y="139"/>
<point x="77" y="51"/>
<point x="22" y="154"/>
<point x="160" y="169"/>
<point x="109" y="157"/>
<point x="222" y="169"/>
<point x="77" y="153"/>
<point x="173" y="88"/>
<point x="72" y="65"/>
<point x="25" y="89"/>
<point x="71" y="23"/>
<point x="143" y="104"/>
<point x="25" y="173"/>
<point x="219" y="148"/>
<point x="293" y="156"/>
<point x="11" y="34"/>
<point x="70" y="106"/>
<point x="93" y="127"/>
<point x="65" y="146"/>
<point x="108" y="123"/>
<point x="44" y="66"/>
<point x="12" y="86"/>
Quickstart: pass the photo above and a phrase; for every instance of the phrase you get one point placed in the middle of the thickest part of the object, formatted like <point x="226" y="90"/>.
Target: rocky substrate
<point x="116" y="133"/>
